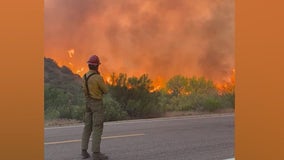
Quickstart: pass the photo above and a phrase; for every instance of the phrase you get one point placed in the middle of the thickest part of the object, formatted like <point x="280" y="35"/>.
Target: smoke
<point x="162" y="38"/>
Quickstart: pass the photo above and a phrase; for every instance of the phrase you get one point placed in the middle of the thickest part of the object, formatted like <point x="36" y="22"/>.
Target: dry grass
<point x="189" y="113"/>
<point x="68" y="122"/>
<point x="61" y="122"/>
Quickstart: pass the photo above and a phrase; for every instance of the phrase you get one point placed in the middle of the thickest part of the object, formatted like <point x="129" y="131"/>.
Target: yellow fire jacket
<point x="95" y="84"/>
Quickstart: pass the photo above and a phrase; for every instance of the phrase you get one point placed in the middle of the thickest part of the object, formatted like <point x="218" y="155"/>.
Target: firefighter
<point x="94" y="88"/>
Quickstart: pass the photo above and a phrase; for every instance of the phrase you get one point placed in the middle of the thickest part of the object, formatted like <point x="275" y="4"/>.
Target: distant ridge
<point x="61" y="77"/>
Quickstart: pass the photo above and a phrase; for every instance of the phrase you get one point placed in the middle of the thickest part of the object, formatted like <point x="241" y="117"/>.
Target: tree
<point x="121" y="80"/>
<point x="177" y="85"/>
<point x="142" y="83"/>
<point x="134" y="96"/>
<point x="201" y="86"/>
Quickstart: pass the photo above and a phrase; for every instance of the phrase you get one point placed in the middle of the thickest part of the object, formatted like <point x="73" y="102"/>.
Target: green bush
<point x="78" y="112"/>
<point x="113" y="110"/>
<point x="228" y="100"/>
<point x="51" y="114"/>
<point x="211" y="104"/>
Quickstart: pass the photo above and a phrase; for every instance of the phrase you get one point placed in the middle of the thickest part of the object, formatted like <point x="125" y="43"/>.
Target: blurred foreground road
<point x="206" y="137"/>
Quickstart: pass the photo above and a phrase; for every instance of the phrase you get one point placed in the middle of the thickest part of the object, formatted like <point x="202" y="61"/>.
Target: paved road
<point x="209" y="137"/>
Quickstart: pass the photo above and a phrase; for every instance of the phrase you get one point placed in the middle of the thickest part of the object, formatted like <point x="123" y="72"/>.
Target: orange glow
<point x="227" y="86"/>
<point x="80" y="71"/>
<point x="158" y="83"/>
<point x="71" y="53"/>
<point x="71" y="61"/>
<point x="108" y="80"/>
<point x="161" y="38"/>
<point x="155" y="88"/>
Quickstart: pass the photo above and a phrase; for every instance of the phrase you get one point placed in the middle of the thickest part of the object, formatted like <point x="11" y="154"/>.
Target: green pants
<point x="94" y="122"/>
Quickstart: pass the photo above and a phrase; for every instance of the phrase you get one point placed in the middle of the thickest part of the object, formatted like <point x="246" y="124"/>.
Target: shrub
<point x="228" y="100"/>
<point x="211" y="104"/>
<point x="113" y="110"/>
<point x="50" y="114"/>
<point x="78" y="112"/>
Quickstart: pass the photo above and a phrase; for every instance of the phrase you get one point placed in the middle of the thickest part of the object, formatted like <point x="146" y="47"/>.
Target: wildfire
<point x="70" y="61"/>
<point x="108" y="80"/>
<point x="71" y="53"/>
<point x="155" y="88"/>
<point x="228" y="85"/>
<point x="80" y="71"/>
<point x="158" y="82"/>
<point x="161" y="38"/>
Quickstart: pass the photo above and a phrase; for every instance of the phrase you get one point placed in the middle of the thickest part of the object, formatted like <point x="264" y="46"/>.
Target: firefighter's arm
<point x="102" y="85"/>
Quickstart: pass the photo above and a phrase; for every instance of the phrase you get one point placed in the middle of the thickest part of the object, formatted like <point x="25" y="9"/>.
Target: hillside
<point x="62" y="90"/>
<point x="61" y="77"/>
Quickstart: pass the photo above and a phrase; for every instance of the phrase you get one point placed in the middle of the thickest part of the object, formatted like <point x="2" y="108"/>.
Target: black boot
<point x="85" y="154"/>
<point x="99" y="156"/>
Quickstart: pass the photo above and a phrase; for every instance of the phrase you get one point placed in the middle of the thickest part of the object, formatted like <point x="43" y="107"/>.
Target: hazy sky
<point x="160" y="37"/>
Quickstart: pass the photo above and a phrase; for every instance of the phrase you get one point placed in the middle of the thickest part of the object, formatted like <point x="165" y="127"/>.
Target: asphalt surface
<point x="207" y="137"/>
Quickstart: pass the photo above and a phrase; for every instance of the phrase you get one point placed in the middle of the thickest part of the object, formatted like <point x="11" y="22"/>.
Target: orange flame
<point x="159" y="82"/>
<point x="80" y="71"/>
<point x="71" y="53"/>
<point x="108" y="80"/>
<point x="70" y="61"/>
<point x="227" y="86"/>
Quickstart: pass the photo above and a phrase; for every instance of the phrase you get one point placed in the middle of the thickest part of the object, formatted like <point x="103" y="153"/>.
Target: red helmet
<point x="94" y="60"/>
